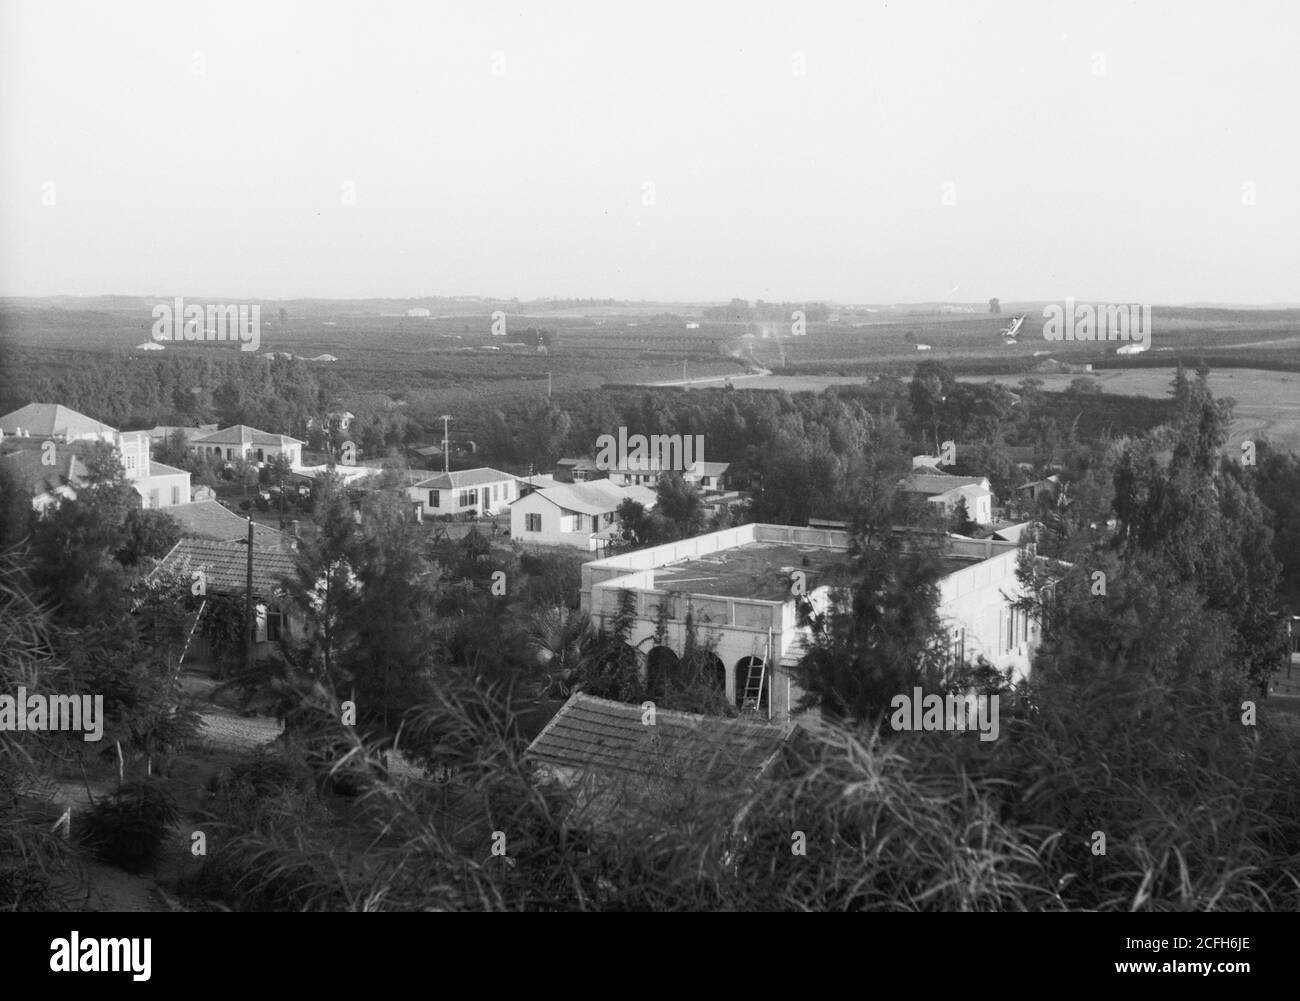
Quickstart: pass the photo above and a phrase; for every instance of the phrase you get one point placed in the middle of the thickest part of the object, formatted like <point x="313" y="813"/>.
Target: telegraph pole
<point x="446" y="445"/>
<point x="248" y="604"/>
<point x="548" y="385"/>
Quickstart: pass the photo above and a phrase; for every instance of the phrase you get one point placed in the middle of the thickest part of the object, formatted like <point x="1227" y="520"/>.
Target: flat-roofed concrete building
<point x="737" y="586"/>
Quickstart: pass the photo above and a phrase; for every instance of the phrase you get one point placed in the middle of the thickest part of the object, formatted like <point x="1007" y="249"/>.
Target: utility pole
<point x="446" y="445"/>
<point x="548" y="385"/>
<point x="248" y="604"/>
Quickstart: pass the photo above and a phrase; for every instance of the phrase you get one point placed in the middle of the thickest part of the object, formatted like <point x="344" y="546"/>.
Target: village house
<point x="738" y="586"/>
<point x="578" y="470"/>
<point x="224" y="569"/>
<point x="582" y="515"/>
<point x="53" y="421"/>
<point x="29" y="427"/>
<point x="1037" y="491"/>
<point x="158" y="484"/>
<point x="48" y="484"/>
<point x="207" y="519"/>
<point x="707" y="476"/>
<point x="946" y="491"/>
<point x="619" y="771"/>
<point x="484" y="491"/>
<point x="243" y="442"/>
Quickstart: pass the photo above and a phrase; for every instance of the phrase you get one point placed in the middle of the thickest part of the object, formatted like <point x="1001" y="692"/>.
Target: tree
<point x="680" y="505"/>
<point x="150" y="534"/>
<point x="881" y="633"/>
<point x="962" y="523"/>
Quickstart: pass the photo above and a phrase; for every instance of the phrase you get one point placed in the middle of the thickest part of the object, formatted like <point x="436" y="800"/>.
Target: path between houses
<point x="225" y="737"/>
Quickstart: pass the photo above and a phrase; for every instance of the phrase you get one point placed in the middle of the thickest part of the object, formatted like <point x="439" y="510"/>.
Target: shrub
<point x="127" y="828"/>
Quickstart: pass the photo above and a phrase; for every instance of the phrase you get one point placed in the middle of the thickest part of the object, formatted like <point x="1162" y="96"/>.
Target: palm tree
<point x="560" y="641"/>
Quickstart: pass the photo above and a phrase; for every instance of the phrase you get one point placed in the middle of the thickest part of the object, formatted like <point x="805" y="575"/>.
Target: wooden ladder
<point x="754" y="682"/>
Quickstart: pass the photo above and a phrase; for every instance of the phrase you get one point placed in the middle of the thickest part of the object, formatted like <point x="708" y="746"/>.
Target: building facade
<point x="737" y="587"/>
<point x="484" y="491"/>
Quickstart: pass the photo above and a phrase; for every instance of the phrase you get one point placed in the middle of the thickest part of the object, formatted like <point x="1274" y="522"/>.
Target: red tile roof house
<point x="243" y="442"/>
<point x="945" y="490"/>
<point x="584" y="515"/>
<point x="55" y="421"/>
<point x="157" y="484"/>
<point x="484" y="491"/>
<point x="621" y="772"/>
<point x="210" y="520"/>
<point x="48" y="484"/>
<point x="224" y="566"/>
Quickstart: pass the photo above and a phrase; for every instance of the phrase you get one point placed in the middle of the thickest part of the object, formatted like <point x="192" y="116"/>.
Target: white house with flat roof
<point x="484" y="491"/>
<point x="582" y="515"/>
<point x="737" y="586"/>
<point x="158" y="484"/>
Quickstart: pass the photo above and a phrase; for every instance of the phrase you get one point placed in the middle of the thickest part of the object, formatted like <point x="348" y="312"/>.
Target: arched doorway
<point x="661" y="666"/>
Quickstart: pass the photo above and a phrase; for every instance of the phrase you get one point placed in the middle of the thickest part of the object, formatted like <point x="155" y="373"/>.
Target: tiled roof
<point x="27" y="466"/>
<point x="965" y="490"/>
<point x="210" y="520"/>
<point x="188" y="434"/>
<point x="226" y="565"/>
<point x="462" y="478"/>
<point x="595" y="496"/>
<point x="242" y="434"/>
<point x="539" y="482"/>
<point x="618" y="759"/>
<point x="49" y="420"/>
<point x="157" y="468"/>
<point x="932" y="485"/>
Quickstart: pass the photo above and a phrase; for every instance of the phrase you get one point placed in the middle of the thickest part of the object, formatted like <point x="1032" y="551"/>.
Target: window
<point x="153" y="498"/>
<point x="532" y="523"/>
<point x="468" y="498"/>
<point x="957" y="648"/>
<point x="433" y="498"/>
<point x="176" y="495"/>
<point x="495" y="488"/>
<point x="274" y="625"/>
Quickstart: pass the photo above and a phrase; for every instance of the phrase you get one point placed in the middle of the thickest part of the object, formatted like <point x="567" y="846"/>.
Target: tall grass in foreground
<point x="1198" y="813"/>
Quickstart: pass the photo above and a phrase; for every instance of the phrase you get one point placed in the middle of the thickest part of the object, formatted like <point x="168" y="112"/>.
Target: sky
<point x="858" y="152"/>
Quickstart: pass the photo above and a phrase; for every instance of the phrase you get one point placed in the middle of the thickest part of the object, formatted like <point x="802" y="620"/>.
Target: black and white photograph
<point x="711" y="458"/>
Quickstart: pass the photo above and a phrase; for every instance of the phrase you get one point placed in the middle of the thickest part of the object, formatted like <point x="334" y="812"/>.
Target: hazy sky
<point x="1105" y="150"/>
